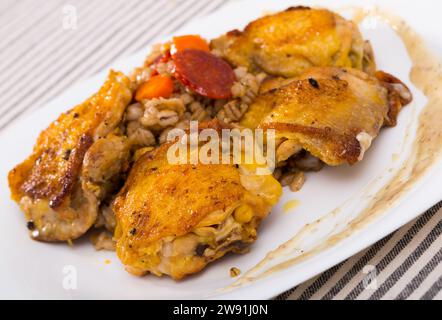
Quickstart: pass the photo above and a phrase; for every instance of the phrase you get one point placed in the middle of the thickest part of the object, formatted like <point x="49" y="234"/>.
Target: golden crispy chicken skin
<point x="333" y="113"/>
<point x="53" y="186"/>
<point x="176" y="218"/>
<point x="289" y="42"/>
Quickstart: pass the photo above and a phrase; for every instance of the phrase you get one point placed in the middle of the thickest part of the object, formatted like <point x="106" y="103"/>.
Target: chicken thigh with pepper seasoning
<point x="59" y="187"/>
<point x="289" y="42"/>
<point x="333" y="113"/>
<point x="176" y="218"/>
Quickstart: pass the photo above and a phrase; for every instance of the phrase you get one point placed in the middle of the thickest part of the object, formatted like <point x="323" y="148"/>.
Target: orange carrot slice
<point x="189" y="42"/>
<point x="159" y="86"/>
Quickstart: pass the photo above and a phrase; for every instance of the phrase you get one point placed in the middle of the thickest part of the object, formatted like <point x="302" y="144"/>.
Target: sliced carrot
<point x="159" y="86"/>
<point x="189" y="42"/>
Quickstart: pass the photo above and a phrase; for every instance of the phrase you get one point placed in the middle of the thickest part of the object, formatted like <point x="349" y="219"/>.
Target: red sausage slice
<point x="204" y="73"/>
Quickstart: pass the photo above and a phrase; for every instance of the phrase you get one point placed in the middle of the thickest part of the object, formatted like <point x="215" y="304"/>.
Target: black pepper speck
<point x="314" y="83"/>
<point x="30" y="225"/>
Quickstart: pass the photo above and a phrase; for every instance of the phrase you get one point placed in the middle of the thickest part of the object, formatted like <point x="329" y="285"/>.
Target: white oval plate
<point x="30" y="269"/>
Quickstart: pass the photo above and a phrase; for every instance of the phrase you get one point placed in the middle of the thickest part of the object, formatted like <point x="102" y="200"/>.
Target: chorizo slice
<point x="204" y="73"/>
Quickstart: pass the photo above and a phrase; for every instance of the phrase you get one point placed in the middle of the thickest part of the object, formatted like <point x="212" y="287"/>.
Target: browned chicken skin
<point x="176" y="218"/>
<point x="334" y="113"/>
<point x="54" y="186"/>
<point x="289" y="42"/>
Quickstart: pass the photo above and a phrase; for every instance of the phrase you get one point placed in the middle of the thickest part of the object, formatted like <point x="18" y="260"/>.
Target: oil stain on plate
<point x="290" y="205"/>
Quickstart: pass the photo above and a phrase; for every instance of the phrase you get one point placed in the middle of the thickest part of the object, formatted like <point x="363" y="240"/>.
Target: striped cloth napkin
<point x="42" y="54"/>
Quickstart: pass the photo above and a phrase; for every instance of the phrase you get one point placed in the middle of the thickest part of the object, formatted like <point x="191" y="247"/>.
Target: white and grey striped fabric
<point x="39" y="58"/>
<point x="404" y="265"/>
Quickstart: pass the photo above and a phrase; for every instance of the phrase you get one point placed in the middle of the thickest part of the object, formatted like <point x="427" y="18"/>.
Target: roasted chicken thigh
<point x="289" y="42"/>
<point x="176" y="218"/>
<point x="56" y="188"/>
<point x="333" y="113"/>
